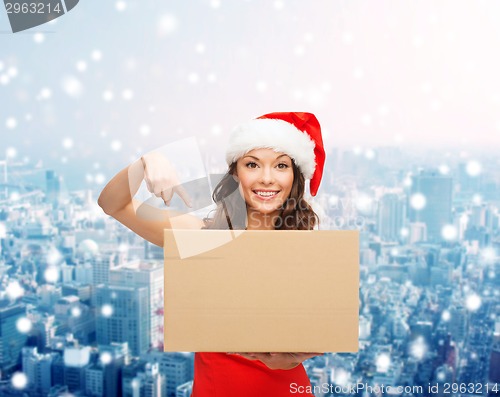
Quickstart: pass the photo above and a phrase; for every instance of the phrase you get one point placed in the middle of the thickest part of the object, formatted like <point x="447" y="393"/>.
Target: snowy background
<point x="110" y="80"/>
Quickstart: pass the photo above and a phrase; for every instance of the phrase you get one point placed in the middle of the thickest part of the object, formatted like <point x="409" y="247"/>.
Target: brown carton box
<point x="261" y="291"/>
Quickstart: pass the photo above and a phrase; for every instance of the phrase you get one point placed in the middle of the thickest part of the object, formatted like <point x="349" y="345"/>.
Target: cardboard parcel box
<point x="261" y="291"/>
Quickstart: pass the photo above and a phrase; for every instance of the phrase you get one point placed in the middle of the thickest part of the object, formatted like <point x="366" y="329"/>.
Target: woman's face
<point x="265" y="179"/>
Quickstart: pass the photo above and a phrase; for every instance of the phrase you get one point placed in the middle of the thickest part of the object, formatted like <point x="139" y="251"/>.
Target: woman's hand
<point x="279" y="360"/>
<point x="161" y="178"/>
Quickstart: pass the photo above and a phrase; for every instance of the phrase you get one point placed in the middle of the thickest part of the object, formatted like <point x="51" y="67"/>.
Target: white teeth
<point x="266" y="194"/>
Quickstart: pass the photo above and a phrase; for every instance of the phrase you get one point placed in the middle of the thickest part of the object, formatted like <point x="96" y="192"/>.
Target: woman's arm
<point x="116" y="199"/>
<point x="118" y="193"/>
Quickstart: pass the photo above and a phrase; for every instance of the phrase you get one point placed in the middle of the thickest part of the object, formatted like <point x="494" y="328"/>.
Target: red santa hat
<point x="294" y="133"/>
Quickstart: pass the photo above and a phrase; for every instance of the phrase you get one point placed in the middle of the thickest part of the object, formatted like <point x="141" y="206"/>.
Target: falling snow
<point x="107" y="95"/>
<point x="76" y="311"/>
<point x="418" y="348"/>
<point x="14" y="290"/>
<point x="106" y="358"/>
<point x="473" y="168"/>
<point x="11" y="152"/>
<point x="67" y="143"/>
<point x="116" y="145"/>
<point x="144" y="130"/>
<point x="473" y="302"/>
<point x="96" y="55"/>
<point x="19" y="380"/>
<point x="24" y="325"/>
<point x="477" y="199"/>
<point x="107" y="310"/>
<point x="81" y="66"/>
<point x="449" y="232"/>
<point x="127" y="94"/>
<point x="444" y="169"/>
<point x="120" y="6"/>
<point x="72" y="86"/>
<point x="418" y="201"/>
<point x="167" y="25"/>
<point x="51" y="274"/>
<point x="11" y="123"/>
<point x="383" y="362"/>
<point x="39" y="37"/>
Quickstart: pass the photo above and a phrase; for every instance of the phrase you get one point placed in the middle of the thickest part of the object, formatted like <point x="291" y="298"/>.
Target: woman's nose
<point x="267" y="175"/>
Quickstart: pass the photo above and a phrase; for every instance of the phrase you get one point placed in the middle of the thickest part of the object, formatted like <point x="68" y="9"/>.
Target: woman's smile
<point x="266" y="195"/>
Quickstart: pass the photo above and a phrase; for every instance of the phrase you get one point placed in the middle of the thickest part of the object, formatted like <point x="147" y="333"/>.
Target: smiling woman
<point x="269" y="160"/>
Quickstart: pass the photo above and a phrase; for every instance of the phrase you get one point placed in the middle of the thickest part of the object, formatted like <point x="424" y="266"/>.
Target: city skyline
<point x="429" y="313"/>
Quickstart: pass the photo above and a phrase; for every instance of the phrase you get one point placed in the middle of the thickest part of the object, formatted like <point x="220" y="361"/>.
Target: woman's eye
<point x="252" y="164"/>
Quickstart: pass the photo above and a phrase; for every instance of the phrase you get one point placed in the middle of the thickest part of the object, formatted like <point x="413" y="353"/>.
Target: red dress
<point x="230" y="375"/>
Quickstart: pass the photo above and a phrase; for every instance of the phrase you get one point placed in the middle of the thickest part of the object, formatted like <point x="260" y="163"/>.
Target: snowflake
<point x="473" y="302"/>
<point x="167" y="24"/>
<point x="418" y="348"/>
<point x="81" y="66"/>
<point x="67" y="143"/>
<point x="107" y="310"/>
<point x="200" y="48"/>
<point x="477" y="199"/>
<point x="76" y="311"/>
<point x="45" y="93"/>
<point x="72" y="86"/>
<point x="107" y="95"/>
<point x="127" y="94"/>
<point x="444" y="169"/>
<point x="383" y="362"/>
<point x="418" y="201"/>
<point x="19" y="380"/>
<point x="105" y="358"/>
<point x="51" y="274"/>
<point x="11" y="123"/>
<point x="144" y="130"/>
<point x="473" y="168"/>
<point x="193" y="78"/>
<point x="449" y="232"/>
<point x="116" y="145"/>
<point x="24" y="325"/>
<point x="120" y="6"/>
<point x="96" y="55"/>
<point x="370" y="154"/>
<point x="39" y="37"/>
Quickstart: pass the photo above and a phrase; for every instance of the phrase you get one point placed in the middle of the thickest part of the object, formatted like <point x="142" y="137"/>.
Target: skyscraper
<point x="76" y="360"/>
<point x="150" y="383"/>
<point x="53" y="182"/>
<point x="177" y="368"/>
<point x="37" y="368"/>
<point x="149" y="275"/>
<point x="494" y="374"/>
<point x="11" y="340"/>
<point x="123" y="315"/>
<point x="436" y="190"/>
<point x="391" y="216"/>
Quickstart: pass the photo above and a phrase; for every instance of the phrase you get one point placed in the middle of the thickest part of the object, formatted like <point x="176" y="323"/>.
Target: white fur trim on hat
<point x="274" y="134"/>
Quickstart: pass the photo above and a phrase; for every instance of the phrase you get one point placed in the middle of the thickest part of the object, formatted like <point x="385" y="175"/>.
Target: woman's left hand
<point x="280" y="360"/>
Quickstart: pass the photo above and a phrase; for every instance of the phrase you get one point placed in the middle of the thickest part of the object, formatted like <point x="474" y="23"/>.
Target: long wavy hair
<point x="230" y="213"/>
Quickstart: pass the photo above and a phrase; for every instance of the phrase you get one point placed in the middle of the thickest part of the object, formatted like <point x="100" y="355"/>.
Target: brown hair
<point x="295" y="213"/>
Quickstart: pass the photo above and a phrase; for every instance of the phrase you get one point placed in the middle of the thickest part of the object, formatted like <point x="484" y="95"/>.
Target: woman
<point x="269" y="159"/>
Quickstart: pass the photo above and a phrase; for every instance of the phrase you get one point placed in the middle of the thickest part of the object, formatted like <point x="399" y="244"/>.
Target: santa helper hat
<point x="294" y="133"/>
